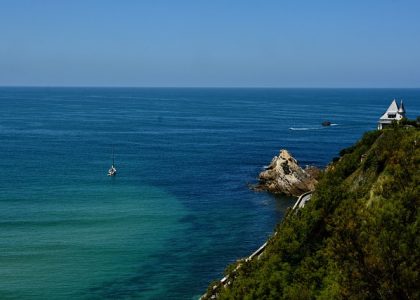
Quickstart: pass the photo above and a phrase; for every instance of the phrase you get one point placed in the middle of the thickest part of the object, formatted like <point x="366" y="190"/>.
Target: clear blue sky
<point x="275" y="43"/>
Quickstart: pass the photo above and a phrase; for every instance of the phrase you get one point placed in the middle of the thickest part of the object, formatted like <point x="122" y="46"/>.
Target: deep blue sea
<point x="179" y="209"/>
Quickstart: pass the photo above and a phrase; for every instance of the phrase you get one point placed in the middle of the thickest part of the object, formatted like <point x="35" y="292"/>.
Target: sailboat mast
<point x="112" y="171"/>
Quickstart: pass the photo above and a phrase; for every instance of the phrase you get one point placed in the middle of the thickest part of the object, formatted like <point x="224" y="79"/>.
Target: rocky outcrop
<point x="285" y="176"/>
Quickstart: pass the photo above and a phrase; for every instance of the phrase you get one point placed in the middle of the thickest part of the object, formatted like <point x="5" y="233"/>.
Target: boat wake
<point x="311" y="128"/>
<point x="305" y="128"/>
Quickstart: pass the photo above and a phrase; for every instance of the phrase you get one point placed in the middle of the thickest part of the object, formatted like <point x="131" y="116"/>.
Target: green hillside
<point x="358" y="237"/>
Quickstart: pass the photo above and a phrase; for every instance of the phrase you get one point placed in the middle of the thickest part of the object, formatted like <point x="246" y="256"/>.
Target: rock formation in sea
<point x="285" y="176"/>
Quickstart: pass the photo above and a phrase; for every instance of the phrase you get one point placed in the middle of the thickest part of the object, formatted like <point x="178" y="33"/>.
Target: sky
<point x="210" y="43"/>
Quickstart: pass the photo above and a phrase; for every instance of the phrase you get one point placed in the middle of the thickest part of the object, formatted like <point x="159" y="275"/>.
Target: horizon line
<point x="195" y="87"/>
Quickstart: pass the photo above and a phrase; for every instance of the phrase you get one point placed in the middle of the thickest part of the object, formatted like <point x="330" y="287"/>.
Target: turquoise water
<point x="179" y="209"/>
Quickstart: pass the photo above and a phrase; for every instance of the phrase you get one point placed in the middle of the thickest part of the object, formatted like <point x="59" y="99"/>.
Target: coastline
<point x="222" y="283"/>
<point x="368" y="196"/>
<point x="282" y="176"/>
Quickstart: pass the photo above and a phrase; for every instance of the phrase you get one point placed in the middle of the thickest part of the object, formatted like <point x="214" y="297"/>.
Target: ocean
<point x="180" y="209"/>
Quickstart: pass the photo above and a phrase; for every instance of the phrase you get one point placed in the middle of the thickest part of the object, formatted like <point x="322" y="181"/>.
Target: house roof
<point x="393" y="109"/>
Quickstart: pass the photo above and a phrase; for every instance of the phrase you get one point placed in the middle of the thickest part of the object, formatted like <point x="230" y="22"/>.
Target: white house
<point x="393" y="113"/>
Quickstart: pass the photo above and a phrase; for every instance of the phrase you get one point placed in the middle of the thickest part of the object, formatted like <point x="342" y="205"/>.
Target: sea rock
<point x="285" y="176"/>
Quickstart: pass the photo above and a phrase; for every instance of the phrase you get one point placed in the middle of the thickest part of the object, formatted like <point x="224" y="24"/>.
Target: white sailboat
<point x="112" y="171"/>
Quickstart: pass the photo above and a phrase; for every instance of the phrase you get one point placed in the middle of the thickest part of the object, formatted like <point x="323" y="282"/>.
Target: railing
<point x="299" y="200"/>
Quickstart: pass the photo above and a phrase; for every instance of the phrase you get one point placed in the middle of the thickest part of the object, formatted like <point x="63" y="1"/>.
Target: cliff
<point x="285" y="176"/>
<point x="358" y="237"/>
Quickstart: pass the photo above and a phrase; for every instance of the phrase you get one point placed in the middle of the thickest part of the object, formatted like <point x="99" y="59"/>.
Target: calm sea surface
<point x="179" y="209"/>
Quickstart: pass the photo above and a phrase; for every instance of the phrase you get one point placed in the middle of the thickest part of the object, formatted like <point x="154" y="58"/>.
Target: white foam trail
<point x="312" y="128"/>
<point x="305" y="128"/>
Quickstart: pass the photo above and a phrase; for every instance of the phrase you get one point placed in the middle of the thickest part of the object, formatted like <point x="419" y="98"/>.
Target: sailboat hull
<point x="112" y="171"/>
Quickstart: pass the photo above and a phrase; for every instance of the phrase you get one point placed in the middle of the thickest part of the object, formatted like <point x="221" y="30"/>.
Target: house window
<point x="392" y="116"/>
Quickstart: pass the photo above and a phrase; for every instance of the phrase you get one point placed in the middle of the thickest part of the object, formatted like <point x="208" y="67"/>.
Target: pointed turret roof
<point x="401" y="110"/>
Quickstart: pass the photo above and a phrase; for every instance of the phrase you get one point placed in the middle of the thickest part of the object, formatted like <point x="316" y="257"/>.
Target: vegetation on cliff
<point x="358" y="237"/>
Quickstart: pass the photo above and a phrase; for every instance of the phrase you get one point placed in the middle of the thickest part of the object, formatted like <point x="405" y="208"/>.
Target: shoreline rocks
<point x="285" y="176"/>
